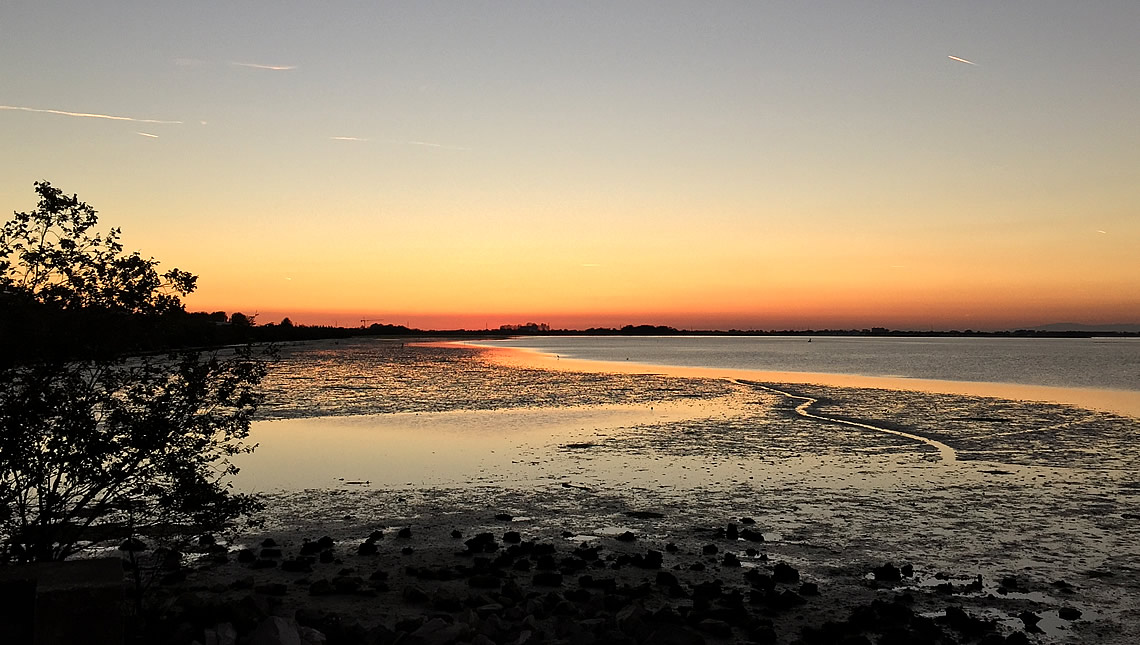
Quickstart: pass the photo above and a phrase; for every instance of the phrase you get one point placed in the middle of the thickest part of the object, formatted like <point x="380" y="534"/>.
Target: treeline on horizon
<point x="31" y="329"/>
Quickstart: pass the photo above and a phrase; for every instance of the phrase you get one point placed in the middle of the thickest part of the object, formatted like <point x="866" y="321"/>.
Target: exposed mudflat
<point x="1040" y="500"/>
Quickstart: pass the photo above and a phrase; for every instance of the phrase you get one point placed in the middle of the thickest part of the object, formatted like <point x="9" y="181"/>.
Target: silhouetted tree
<point x="95" y="433"/>
<point x="238" y="319"/>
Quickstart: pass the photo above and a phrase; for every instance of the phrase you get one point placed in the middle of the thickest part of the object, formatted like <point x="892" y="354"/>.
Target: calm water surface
<point x="1102" y="363"/>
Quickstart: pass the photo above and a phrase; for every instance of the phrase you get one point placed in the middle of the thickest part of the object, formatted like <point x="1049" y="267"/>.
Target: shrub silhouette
<point x="107" y="429"/>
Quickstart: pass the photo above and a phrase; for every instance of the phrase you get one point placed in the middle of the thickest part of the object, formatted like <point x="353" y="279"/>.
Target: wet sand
<point x="839" y="481"/>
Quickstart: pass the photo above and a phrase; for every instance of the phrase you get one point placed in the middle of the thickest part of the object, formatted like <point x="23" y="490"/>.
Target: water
<point x="1096" y="363"/>
<point x="370" y="433"/>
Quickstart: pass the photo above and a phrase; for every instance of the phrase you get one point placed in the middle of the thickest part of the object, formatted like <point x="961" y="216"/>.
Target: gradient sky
<point x="701" y="164"/>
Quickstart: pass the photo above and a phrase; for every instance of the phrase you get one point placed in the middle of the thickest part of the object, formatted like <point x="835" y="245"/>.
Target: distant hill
<point x="1131" y="328"/>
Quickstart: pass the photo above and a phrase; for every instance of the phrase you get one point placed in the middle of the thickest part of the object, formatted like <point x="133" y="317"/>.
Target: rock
<point x="887" y="573"/>
<point x="1069" y="613"/>
<point x="481" y="543"/>
<point x="221" y="634"/>
<point x="752" y="536"/>
<point x="809" y="589"/>
<point x="367" y="548"/>
<point x="263" y="564"/>
<point x="310" y="636"/>
<point x="407" y="550"/>
<point x="439" y="632"/>
<point x="326" y="542"/>
<point x="730" y="560"/>
<point x="578" y="595"/>
<point x="415" y="595"/>
<point x="484" y="581"/>
<point x="268" y="543"/>
<point x="405" y="532"/>
<point x="310" y="548"/>
<point x="132" y="545"/>
<point x="747" y="520"/>
<point x="666" y="579"/>
<point x="272" y="589"/>
<point x="348" y="584"/>
<point x="276" y="630"/>
<point x="715" y="628"/>
<point x="671" y="548"/>
<point x="763" y="635"/>
<point x="907" y="570"/>
<point x="707" y="590"/>
<point x="321" y="587"/>
<point x="504" y="517"/>
<point x="456" y="534"/>
<point x="730" y="533"/>
<point x="710" y="549"/>
<point x="651" y="560"/>
<point x="547" y="579"/>
<point x="759" y="580"/>
<point x="784" y="573"/>
<point x="297" y="565"/>
<point x="967" y="625"/>
<point x="512" y="537"/>
<point x="628" y="536"/>
<point x="1030" y="619"/>
<point x="271" y="553"/>
<point x="586" y="553"/>
<point x="632" y="620"/>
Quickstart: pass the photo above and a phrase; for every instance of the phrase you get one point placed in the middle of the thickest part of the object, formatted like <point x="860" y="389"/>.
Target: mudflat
<point x="453" y="497"/>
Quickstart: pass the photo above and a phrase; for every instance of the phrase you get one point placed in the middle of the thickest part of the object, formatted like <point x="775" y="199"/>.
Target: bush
<point x="106" y="428"/>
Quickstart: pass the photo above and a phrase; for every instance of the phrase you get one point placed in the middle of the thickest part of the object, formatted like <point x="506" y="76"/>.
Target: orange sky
<point x="695" y="164"/>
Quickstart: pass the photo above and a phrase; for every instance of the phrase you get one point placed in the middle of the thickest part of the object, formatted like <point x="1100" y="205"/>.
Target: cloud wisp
<point x="87" y="115"/>
<point x="963" y="60"/>
<point x="147" y="134"/>
<point x="428" y="144"/>
<point x="348" y="139"/>
<point x="272" y="68"/>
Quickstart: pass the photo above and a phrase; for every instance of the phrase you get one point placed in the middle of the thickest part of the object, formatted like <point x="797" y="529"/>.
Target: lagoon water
<point x="1109" y="363"/>
<point x="1102" y="373"/>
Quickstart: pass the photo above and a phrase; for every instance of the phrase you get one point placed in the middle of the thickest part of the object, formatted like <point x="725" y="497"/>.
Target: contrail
<point x="962" y="60"/>
<point x="87" y="115"/>
<point x="348" y="139"/>
<point x="147" y="134"/>
<point x="275" y="68"/>
<point x="434" y="145"/>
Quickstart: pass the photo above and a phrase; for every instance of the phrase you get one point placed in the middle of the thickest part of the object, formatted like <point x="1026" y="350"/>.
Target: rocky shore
<point x="429" y="583"/>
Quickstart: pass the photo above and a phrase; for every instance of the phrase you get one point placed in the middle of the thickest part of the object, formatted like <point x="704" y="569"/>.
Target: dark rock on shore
<point x="887" y="573"/>
<point x="784" y="573"/>
<point x="752" y="536"/>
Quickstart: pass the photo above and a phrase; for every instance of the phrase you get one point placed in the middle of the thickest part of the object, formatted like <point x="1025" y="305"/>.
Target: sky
<point x="749" y="165"/>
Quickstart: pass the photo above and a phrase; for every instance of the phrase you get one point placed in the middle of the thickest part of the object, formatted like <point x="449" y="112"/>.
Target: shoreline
<point x="1047" y="530"/>
<point x="1124" y="402"/>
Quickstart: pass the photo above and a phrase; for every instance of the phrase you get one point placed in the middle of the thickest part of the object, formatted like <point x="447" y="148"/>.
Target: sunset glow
<point x="698" y="165"/>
